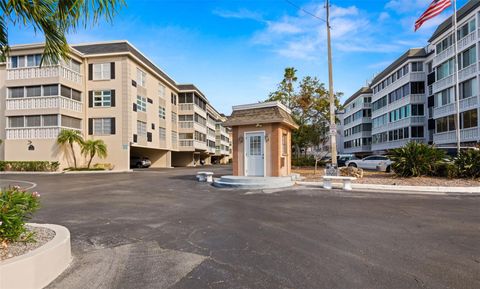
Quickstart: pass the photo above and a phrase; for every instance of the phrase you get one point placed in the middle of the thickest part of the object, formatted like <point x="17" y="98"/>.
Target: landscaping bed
<point x="382" y="178"/>
<point x="42" y="236"/>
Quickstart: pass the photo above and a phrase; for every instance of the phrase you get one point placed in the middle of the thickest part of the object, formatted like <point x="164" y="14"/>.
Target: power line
<point x="305" y="11"/>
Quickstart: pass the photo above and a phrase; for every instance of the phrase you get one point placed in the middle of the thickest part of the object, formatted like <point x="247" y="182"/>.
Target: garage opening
<point x="158" y="158"/>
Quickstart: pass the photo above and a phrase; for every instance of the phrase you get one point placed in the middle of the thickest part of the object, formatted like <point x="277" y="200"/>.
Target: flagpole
<point x="457" y="85"/>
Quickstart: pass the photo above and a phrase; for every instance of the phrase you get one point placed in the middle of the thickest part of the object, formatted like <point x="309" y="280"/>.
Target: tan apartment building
<point x="107" y="91"/>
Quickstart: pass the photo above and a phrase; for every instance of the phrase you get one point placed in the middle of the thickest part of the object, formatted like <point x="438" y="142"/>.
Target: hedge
<point x="29" y="166"/>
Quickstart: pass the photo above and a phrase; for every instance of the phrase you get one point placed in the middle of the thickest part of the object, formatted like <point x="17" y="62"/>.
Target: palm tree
<point x="55" y="18"/>
<point x="70" y="136"/>
<point x="94" y="147"/>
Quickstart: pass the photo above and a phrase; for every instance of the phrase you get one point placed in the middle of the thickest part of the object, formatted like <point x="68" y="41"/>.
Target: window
<point x="186" y="97"/>
<point x="417" y="66"/>
<point x="141" y="103"/>
<point x="50" y="120"/>
<point x="141" y="128"/>
<point x="161" y="112"/>
<point x="34" y="60"/>
<point x="101" y="71"/>
<point x="469" y="119"/>
<point x="33" y="121"/>
<point x="445" y="69"/>
<point x="102" y="98"/>
<point x="467" y="57"/>
<point x="16" y="121"/>
<point x="173" y="99"/>
<point x="71" y="122"/>
<point x="185" y="117"/>
<point x="16" y="92"/>
<point x="162" y="133"/>
<point x="284" y="144"/>
<point x="14" y="62"/>
<point x="50" y="90"/>
<point x="417" y="87"/>
<point x="102" y="126"/>
<point x="466" y="29"/>
<point x="444" y="44"/>
<point x="34" y="91"/>
<point x="468" y="88"/>
<point x="445" y="124"/>
<point x="161" y="90"/>
<point x="417" y="131"/>
<point x="141" y="77"/>
<point x="444" y="97"/>
<point x="417" y="110"/>
<point x="174" y="117"/>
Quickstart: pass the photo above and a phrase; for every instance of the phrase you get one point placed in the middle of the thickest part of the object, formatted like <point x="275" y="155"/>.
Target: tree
<point x="94" y="147"/>
<point x="70" y="137"/>
<point x="54" y="18"/>
<point x="310" y="107"/>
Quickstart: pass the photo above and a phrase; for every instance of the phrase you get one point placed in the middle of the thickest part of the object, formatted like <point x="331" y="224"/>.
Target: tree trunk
<point x="74" y="158"/>
<point x="90" y="161"/>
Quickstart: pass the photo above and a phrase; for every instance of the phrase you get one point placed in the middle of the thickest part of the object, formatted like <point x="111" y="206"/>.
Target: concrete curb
<point x="39" y="267"/>
<point x="397" y="189"/>
<point x="65" y="172"/>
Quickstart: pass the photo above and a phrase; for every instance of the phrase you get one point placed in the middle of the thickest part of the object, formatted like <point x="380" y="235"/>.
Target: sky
<point x="235" y="51"/>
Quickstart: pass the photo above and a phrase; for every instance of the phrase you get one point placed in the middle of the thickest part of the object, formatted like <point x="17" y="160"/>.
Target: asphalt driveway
<point x="295" y="238"/>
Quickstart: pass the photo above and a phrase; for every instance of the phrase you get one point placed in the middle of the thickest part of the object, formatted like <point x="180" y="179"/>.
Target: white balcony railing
<point x="465" y="104"/>
<point x="444" y="55"/>
<point x="185" y="106"/>
<point x="469" y="134"/>
<point x="467" y="72"/>
<point x="44" y="102"/>
<point x="467" y="41"/>
<point x="44" y="72"/>
<point x="186" y="143"/>
<point x="33" y="132"/>
<point x="443" y="83"/>
<point x="395" y="144"/>
<point x="185" y="124"/>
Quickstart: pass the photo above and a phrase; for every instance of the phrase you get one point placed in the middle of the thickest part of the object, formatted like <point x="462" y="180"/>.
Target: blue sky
<point x="235" y="50"/>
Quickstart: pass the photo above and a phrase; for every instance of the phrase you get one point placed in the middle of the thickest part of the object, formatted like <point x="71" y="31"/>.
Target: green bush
<point x="418" y="159"/>
<point x="16" y="207"/>
<point x="29" y="166"/>
<point x="308" y="161"/>
<point x="83" y="169"/>
<point x="467" y="164"/>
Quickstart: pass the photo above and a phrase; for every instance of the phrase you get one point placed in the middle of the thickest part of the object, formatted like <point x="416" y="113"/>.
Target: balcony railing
<point x="44" y="72"/>
<point x="467" y="72"/>
<point x="34" y="132"/>
<point x="469" y="134"/>
<point x="44" y="102"/>
<point x="467" y="41"/>
<point x="185" y="106"/>
<point x="465" y="104"/>
<point x="185" y="124"/>
<point x="443" y="83"/>
<point x="395" y="144"/>
<point x="444" y="55"/>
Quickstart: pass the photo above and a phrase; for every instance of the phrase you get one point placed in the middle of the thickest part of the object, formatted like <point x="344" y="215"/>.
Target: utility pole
<point x="333" y="124"/>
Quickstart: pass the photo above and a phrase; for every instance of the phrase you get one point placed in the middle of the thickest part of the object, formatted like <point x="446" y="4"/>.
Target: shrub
<point x="417" y="159"/>
<point x="105" y="166"/>
<point x="308" y="161"/>
<point x="467" y="164"/>
<point x="16" y="207"/>
<point x="29" y="166"/>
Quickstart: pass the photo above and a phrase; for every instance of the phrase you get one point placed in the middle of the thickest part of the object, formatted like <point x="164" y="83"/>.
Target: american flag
<point x="435" y="8"/>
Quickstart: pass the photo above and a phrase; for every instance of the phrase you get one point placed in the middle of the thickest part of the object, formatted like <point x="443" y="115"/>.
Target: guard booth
<point x="261" y="139"/>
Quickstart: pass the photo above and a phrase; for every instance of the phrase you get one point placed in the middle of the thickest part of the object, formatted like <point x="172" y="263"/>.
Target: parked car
<point x="342" y="159"/>
<point x="385" y="166"/>
<point x="140" y="162"/>
<point x="369" y="163"/>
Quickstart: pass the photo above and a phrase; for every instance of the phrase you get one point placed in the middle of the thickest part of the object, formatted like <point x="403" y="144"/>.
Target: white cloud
<point x="405" y="6"/>
<point x="238" y="14"/>
<point x="344" y="11"/>
<point x="383" y="16"/>
<point x="283" y="27"/>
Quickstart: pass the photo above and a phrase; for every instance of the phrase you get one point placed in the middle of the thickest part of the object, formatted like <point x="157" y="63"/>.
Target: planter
<point x="38" y="268"/>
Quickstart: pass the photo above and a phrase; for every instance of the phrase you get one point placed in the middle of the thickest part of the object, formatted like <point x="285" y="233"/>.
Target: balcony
<point x="395" y="144"/>
<point x="44" y="72"/>
<point x="192" y="108"/>
<point x="465" y="104"/>
<point x="466" y="135"/>
<point x="360" y="149"/>
<point x="467" y="41"/>
<point x="185" y="125"/>
<point x="33" y="132"/>
<point x="443" y="83"/>
<point x="44" y="102"/>
<point x="444" y="55"/>
<point x="467" y="72"/>
<point x="192" y="145"/>
<point x="361" y="134"/>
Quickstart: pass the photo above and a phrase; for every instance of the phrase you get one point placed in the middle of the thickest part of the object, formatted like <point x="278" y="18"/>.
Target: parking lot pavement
<point x="294" y="238"/>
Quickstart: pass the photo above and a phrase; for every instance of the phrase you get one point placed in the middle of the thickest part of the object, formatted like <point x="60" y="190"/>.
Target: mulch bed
<point x="42" y="236"/>
<point x="382" y="178"/>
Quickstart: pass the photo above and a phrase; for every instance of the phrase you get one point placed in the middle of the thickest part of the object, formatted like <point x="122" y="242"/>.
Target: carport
<point x="159" y="158"/>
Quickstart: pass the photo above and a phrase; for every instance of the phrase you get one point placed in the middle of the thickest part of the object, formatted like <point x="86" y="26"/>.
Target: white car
<point x="371" y="163"/>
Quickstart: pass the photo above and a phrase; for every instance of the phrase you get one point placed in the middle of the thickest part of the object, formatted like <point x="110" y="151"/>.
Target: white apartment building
<point x="108" y="91"/>
<point x="441" y="69"/>
<point x="414" y="98"/>
<point x="357" y="123"/>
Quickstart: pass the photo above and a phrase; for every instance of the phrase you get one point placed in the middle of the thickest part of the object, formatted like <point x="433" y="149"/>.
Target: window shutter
<point x="149" y="136"/>
<point x="134" y="107"/>
<point x="90" y="98"/>
<point x="112" y="125"/>
<point x="112" y="99"/>
<point x="112" y="70"/>
<point x="90" y="126"/>
<point x="153" y="126"/>
<point x="134" y="83"/>
<point x="150" y="100"/>
<point x="90" y="71"/>
<point x="134" y="138"/>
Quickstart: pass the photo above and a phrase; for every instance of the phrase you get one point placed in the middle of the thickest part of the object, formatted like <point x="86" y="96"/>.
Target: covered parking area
<point x="159" y="158"/>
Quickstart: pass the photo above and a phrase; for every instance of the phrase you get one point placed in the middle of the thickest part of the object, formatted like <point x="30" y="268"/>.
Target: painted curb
<point x="390" y="188"/>
<point x="39" y="267"/>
